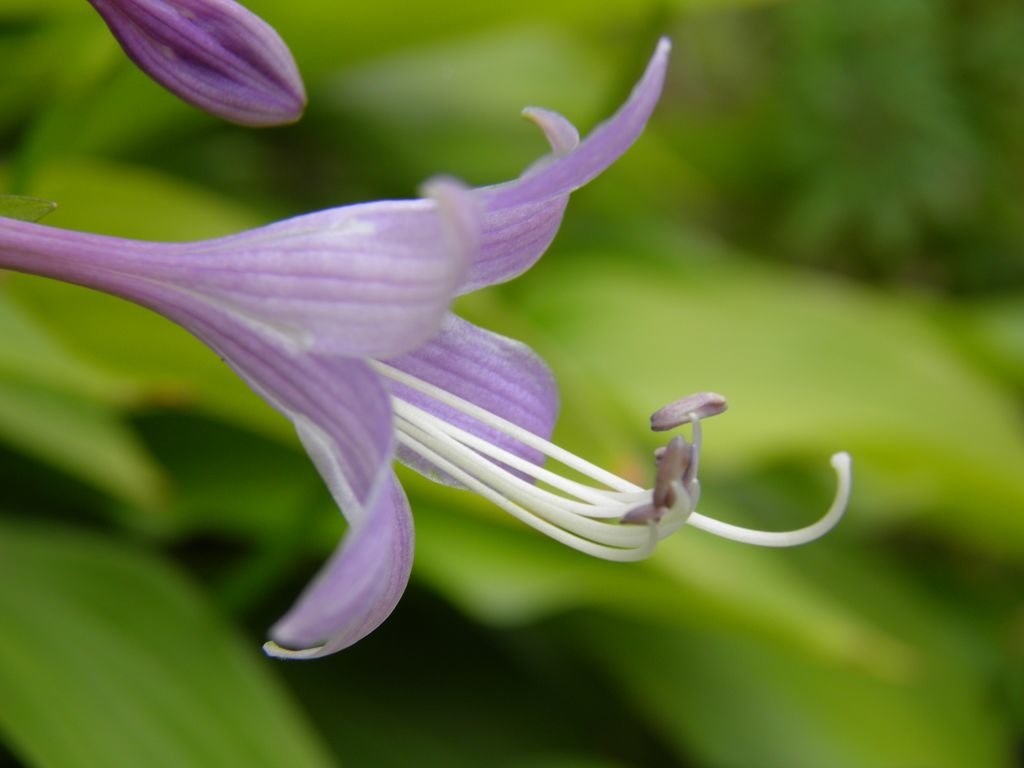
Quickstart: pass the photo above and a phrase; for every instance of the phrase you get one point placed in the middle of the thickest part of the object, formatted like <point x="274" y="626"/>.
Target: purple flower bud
<point x="213" y="54"/>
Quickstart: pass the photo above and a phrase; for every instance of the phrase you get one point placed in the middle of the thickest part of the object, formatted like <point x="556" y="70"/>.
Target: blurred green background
<point x="823" y="222"/>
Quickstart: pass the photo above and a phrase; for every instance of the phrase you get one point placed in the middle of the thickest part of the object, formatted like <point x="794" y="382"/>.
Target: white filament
<point x="584" y="517"/>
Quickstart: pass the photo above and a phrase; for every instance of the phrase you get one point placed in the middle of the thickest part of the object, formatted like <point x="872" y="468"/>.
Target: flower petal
<point x="370" y="280"/>
<point x="358" y="587"/>
<point x="367" y="280"/>
<point x="214" y="54"/>
<point x="342" y="414"/>
<point x="496" y="373"/>
<point x="522" y="217"/>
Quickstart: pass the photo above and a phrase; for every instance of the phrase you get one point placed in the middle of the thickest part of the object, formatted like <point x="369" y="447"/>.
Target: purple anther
<point x="702" y="405"/>
<point x="672" y="465"/>
<point x="645" y="513"/>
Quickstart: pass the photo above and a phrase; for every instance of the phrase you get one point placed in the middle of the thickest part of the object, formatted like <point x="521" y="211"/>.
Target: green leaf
<point x="111" y="658"/>
<point x="85" y="439"/>
<point x="732" y="701"/>
<point x="163" y="362"/>
<point x="31" y="354"/>
<point x="793" y="709"/>
<point x="508" y="576"/>
<point x="129" y="201"/>
<point x="473" y="126"/>
<point x="24" y="208"/>
<point x="312" y="31"/>
<point x="992" y="332"/>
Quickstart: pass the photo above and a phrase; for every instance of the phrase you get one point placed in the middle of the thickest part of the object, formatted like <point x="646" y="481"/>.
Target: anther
<point x="645" y="513"/>
<point x="703" y="405"/>
<point x="672" y="465"/>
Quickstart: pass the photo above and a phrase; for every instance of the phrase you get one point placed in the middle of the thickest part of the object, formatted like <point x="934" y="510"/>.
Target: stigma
<point x="601" y="514"/>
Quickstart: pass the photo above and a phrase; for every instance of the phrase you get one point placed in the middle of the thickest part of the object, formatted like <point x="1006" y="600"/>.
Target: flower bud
<point x="213" y="54"/>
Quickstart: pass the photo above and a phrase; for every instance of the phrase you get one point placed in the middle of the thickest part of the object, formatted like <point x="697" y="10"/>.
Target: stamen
<point x="645" y="513"/>
<point x="514" y="431"/>
<point x="500" y="487"/>
<point x="672" y="464"/>
<point x="607" y="522"/>
<point x="690" y="475"/>
<point x="702" y="405"/>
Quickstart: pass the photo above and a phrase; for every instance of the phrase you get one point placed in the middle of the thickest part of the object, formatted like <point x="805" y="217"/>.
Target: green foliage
<point x="132" y="663"/>
<point x="880" y="138"/>
<point x="24" y="208"/>
<point x="877" y="144"/>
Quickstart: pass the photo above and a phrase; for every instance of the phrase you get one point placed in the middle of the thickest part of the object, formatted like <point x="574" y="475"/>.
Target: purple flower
<point x="213" y="54"/>
<point x="339" y="320"/>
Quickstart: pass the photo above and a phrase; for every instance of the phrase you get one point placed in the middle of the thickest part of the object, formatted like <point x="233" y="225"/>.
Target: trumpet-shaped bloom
<point x="339" y="320"/>
<point x="214" y="54"/>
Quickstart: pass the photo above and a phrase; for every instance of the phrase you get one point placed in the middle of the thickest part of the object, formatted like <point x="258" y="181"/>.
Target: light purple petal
<point x="339" y="399"/>
<point x="522" y="217"/>
<point x="342" y="414"/>
<point x="498" y="374"/>
<point x="213" y="54"/>
<point x="367" y="280"/>
<point x="358" y="587"/>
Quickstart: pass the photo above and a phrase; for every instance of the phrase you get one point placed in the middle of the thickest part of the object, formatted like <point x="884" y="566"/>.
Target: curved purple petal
<point x="496" y="373"/>
<point x="511" y="241"/>
<point x="365" y="280"/>
<point x="359" y="586"/>
<point x="521" y="217"/>
<point x="214" y="54"/>
<point x="340" y="399"/>
<point x="341" y="411"/>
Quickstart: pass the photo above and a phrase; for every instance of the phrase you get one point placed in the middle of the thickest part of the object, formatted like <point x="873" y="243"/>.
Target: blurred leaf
<point x="163" y="362"/>
<point x="24" y="208"/>
<point x="504" y="699"/>
<point x="313" y="33"/>
<point x="941" y="709"/>
<point x="992" y="331"/>
<point x="463" y="99"/>
<point x="30" y="354"/>
<point x="237" y="484"/>
<point x="128" y="201"/>
<point x="110" y="658"/>
<point x="88" y="54"/>
<point x="86" y="439"/>
<point x="511" y="576"/>
<point x="702" y="688"/>
<point x="28" y="8"/>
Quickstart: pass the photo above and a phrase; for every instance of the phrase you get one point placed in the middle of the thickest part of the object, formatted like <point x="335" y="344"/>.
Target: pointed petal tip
<point x="657" y="66"/>
<point x="359" y="586"/>
<point x="561" y="134"/>
<point x="602" y="147"/>
<point x="275" y="651"/>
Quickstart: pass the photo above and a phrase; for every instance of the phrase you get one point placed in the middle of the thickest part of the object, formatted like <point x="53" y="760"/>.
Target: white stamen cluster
<point x="610" y="520"/>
